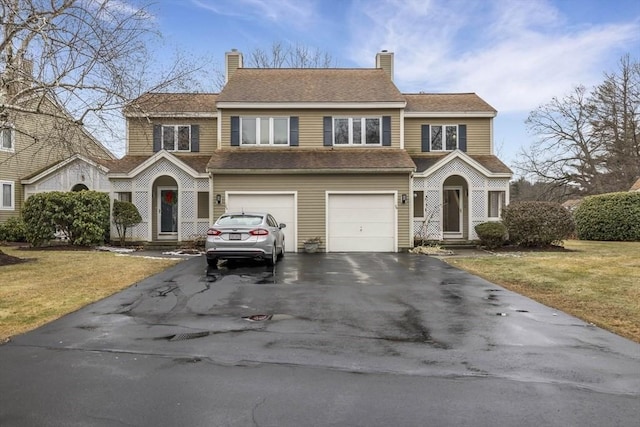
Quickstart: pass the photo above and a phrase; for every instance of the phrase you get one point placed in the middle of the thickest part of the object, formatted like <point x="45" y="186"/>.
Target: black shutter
<point x="462" y="137"/>
<point x="235" y="131"/>
<point x="157" y="138"/>
<point x="195" y="138"/>
<point x="386" y="131"/>
<point x="293" y="131"/>
<point x="425" y="137"/>
<point x="328" y="131"/>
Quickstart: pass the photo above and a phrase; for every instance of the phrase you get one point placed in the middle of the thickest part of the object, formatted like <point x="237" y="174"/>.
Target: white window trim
<point x="13" y="196"/>
<point x="443" y="137"/>
<point x="175" y="138"/>
<point x="258" y="119"/>
<point x="363" y="134"/>
<point x="12" y="131"/>
<point x="501" y="204"/>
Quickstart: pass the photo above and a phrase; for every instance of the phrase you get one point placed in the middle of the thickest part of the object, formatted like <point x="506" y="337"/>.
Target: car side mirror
<point x="281" y="226"/>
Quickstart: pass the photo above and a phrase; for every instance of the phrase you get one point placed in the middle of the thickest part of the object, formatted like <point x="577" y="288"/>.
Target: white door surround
<point x="167" y="213"/>
<point x="452" y="211"/>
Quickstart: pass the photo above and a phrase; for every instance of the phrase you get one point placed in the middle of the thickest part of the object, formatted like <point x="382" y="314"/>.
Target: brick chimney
<point x="232" y="61"/>
<point x="384" y="60"/>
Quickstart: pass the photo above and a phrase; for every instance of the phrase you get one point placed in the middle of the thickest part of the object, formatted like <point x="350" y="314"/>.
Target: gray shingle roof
<point x="172" y="103"/>
<point x="298" y="159"/>
<point x="446" y="102"/>
<point x="310" y="85"/>
<point x="129" y="163"/>
<point x="490" y="162"/>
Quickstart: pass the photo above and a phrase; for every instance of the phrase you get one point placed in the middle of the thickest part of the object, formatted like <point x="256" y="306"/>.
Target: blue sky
<point x="515" y="54"/>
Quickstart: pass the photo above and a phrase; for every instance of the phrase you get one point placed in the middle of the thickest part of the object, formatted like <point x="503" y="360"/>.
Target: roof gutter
<point x="307" y="171"/>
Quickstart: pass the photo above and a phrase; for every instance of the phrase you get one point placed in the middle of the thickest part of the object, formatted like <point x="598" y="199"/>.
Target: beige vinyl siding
<point x="140" y="133"/>
<point x="310" y="124"/>
<point x="478" y="133"/>
<point x="39" y="142"/>
<point x="311" y="192"/>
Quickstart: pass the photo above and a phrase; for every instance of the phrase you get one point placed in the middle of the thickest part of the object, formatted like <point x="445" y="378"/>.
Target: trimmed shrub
<point x="492" y="234"/>
<point x="610" y="217"/>
<point x="82" y="216"/>
<point x="125" y="215"/>
<point x="532" y="224"/>
<point x="13" y="230"/>
<point x="37" y="216"/>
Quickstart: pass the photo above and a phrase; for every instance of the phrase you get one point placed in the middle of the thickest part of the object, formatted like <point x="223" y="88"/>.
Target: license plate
<point x="235" y="236"/>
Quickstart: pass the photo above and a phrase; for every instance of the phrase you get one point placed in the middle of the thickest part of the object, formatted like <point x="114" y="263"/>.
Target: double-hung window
<point x="357" y="131"/>
<point x="6" y="138"/>
<point x="6" y="195"/>
<point x="444" y="137"/>
<point x="176" y="137"/>
<point x="264" y="131"/>
<point x="496" y="202"/>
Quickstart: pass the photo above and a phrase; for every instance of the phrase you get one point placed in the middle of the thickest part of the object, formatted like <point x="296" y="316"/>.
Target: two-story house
<point x="337" y="153"/>
<point x="43" y="149"/>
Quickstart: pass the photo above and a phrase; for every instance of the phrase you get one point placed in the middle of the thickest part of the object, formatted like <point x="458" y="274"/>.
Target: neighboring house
<point x="336" y="153"/>
<point x="635" y="186"/>
<point x="42" y="152"/>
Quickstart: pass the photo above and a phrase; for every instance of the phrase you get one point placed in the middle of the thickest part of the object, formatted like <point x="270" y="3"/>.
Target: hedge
<point x="609" y="217"/>
<point x="491" y="234"/>
<point x="13" y="230"/>
<point x="537" y="223"/>
<point x="83" y="216"/>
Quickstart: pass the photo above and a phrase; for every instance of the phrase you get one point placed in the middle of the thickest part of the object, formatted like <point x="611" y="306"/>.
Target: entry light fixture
<point x="218" y="198"/>
<point x="404" y="199"/>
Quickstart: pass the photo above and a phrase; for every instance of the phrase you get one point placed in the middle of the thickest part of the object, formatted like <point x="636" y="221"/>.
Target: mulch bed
<point x="549" y="248"/>
<point x="6" y="259"/>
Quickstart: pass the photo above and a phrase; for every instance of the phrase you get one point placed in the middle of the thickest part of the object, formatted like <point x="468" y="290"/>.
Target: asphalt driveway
<point x="322" y="339"/>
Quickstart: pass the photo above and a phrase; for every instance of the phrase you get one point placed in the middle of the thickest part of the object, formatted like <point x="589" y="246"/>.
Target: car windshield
<point x="240" y="220"/>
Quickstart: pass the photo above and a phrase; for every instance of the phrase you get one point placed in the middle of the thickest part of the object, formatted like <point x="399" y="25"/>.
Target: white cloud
<point x="516" y="55"/>
<point x="120" y="7"/>
<point x="295" y="13"/>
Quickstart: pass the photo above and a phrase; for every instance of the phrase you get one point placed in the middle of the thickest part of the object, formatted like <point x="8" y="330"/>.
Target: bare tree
<point x="566" y="152"/>
<point x="587" y="141"/>
<point x="523" y="190"/>
<point x="290" y="56"/>
<point x="615" y="123"/>
<point x="79" y="62"/>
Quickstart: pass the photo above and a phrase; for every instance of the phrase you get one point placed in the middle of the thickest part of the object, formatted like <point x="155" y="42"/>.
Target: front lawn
<point x="599" y="282"/>
<point x="57" y="282"/>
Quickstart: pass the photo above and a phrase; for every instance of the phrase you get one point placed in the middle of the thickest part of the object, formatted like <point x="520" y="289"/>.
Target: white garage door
<point x="281" y="206"/>
<point x="361" y="223"/>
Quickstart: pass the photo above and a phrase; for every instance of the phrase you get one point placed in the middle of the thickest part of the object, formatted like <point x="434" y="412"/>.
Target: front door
<point x="452" y="212"/>
<point x="167" y="212"/>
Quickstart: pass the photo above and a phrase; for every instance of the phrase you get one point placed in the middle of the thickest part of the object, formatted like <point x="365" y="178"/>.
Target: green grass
<point x="598" y="282"/>
<point x="57" y="282"/>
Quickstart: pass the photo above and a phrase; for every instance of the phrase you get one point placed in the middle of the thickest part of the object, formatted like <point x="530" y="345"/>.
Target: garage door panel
<point x="361" y="223"/>
<point x="362" y="244"/>
<point x="370" y="216"/>
<point x="356" y="229"/>
<point x="281" y="206"/>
